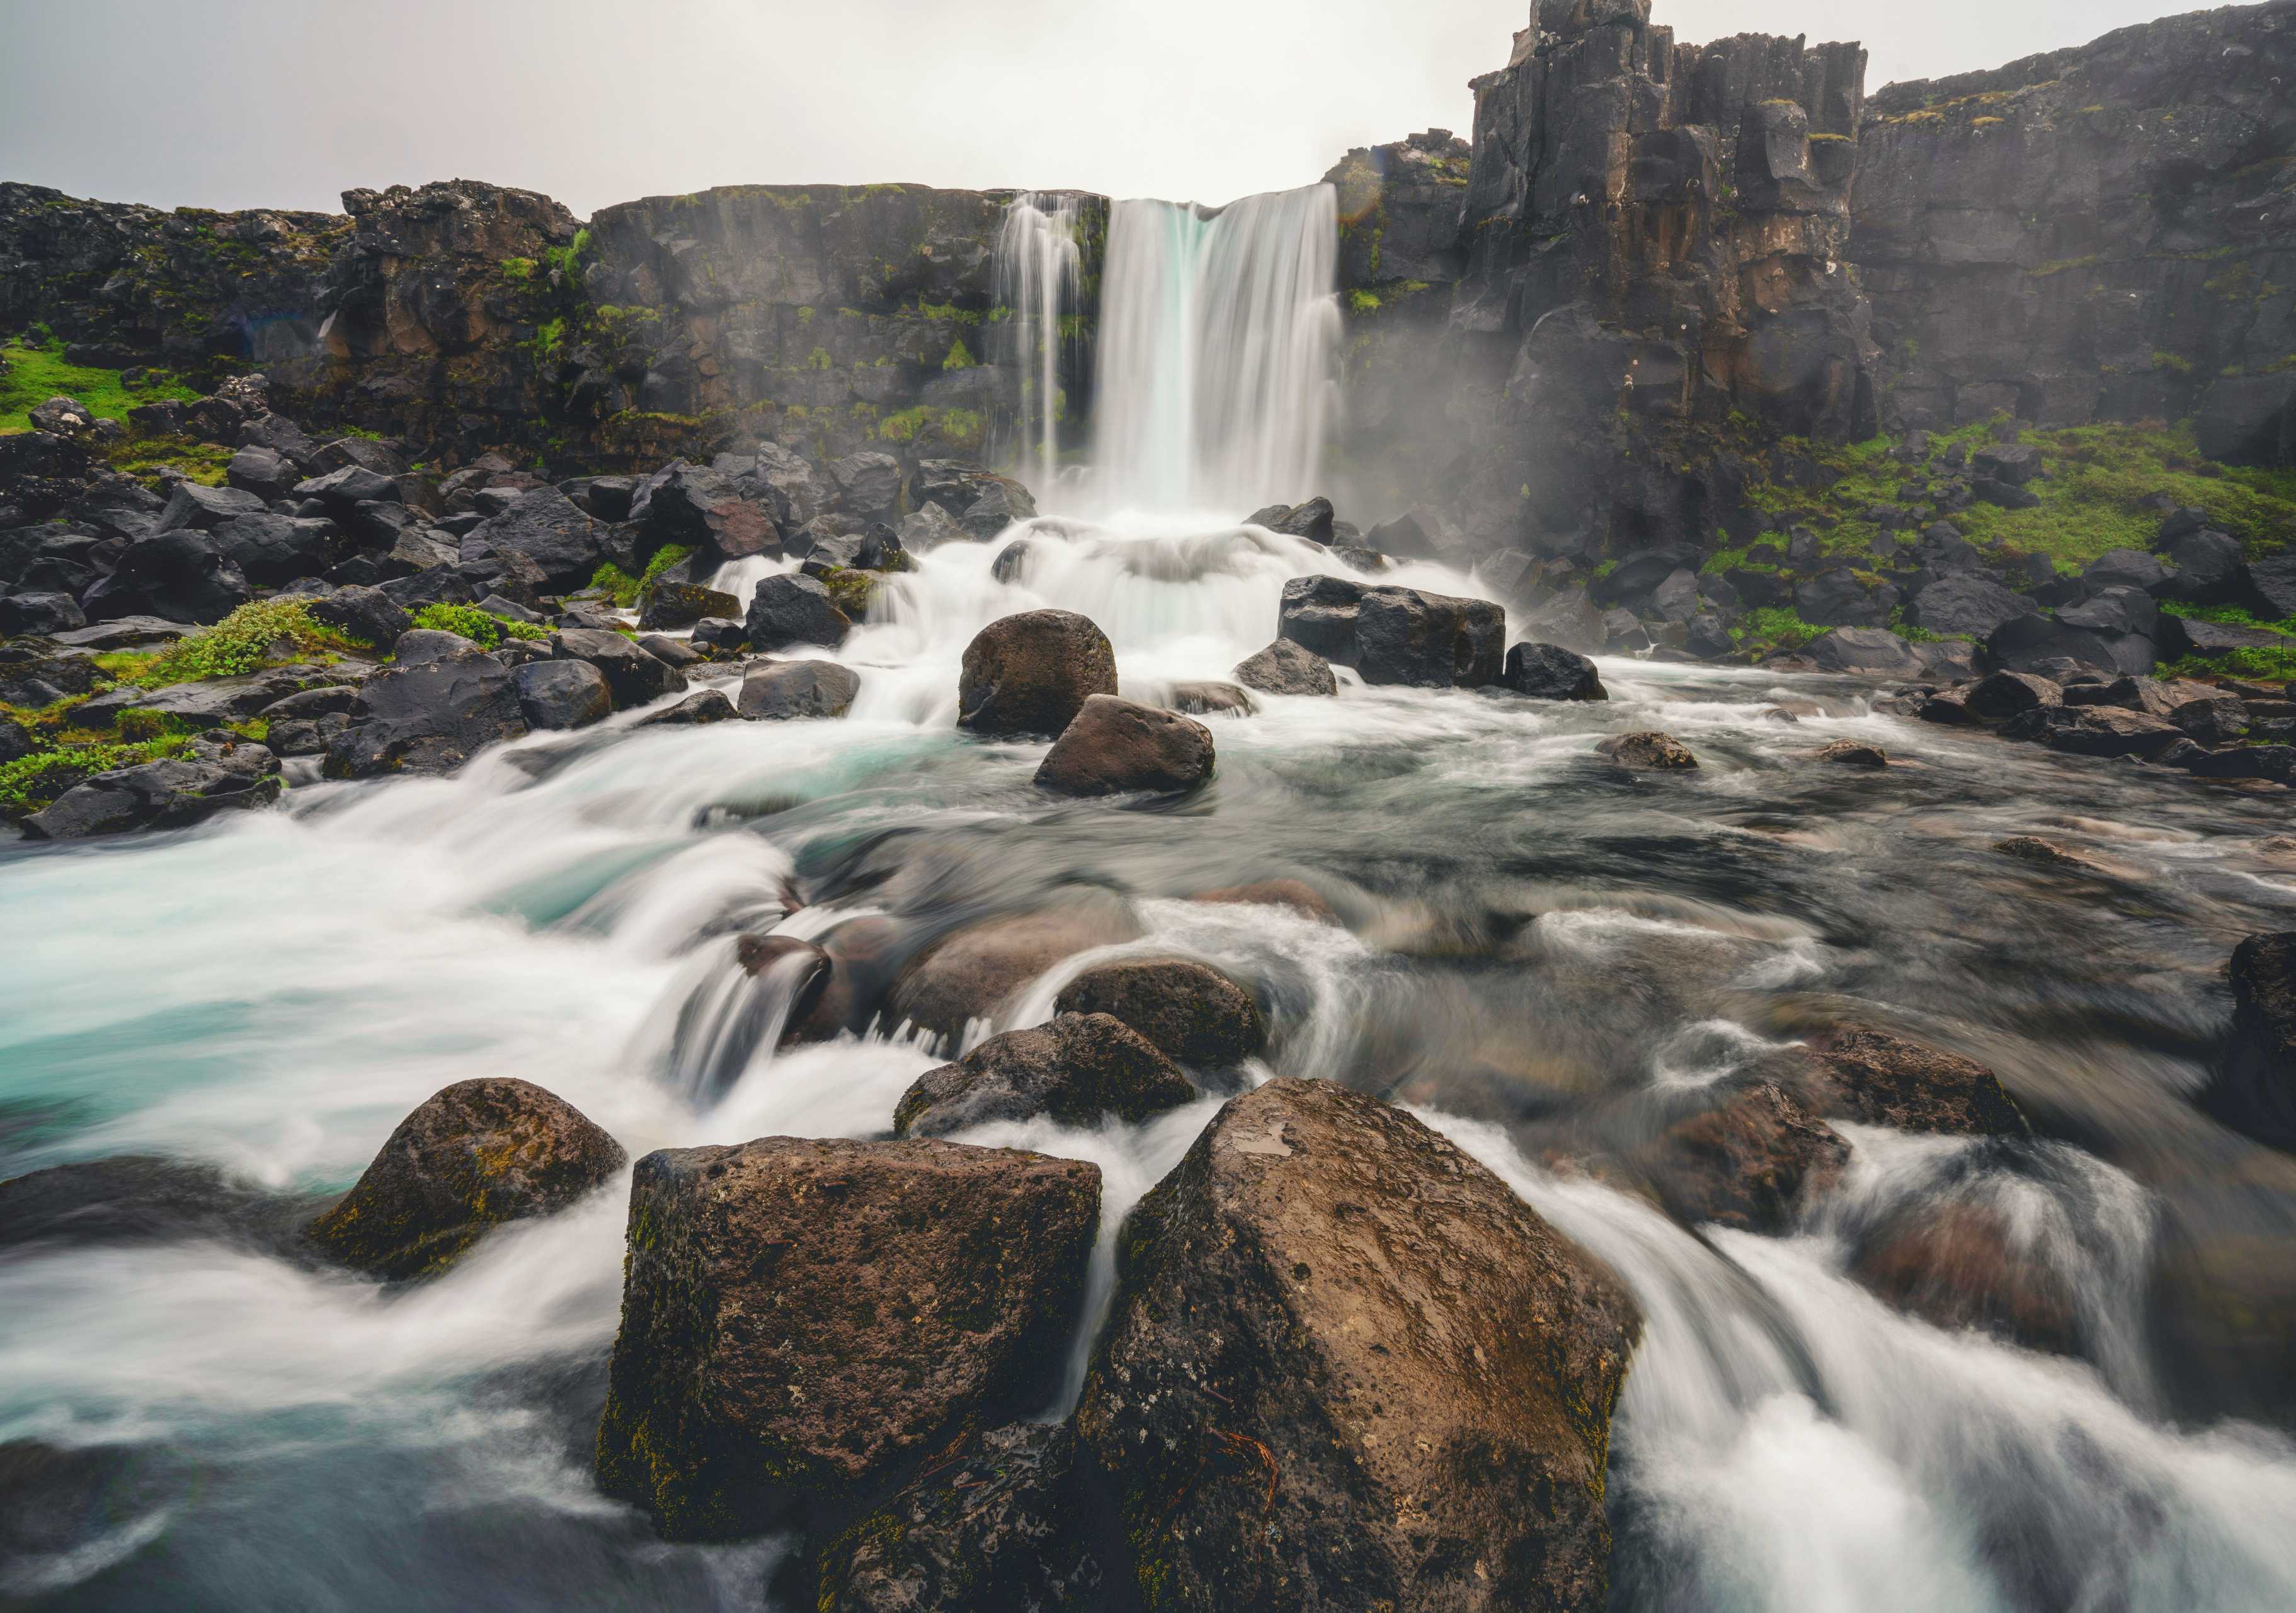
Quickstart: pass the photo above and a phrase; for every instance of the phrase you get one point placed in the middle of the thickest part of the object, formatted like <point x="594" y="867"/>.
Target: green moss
<point x="30" y="375"/>
<point x="959" y="359"/>
<point x="481" y="627"/>
<point x="1362" y="302"/>
<point x="518" y="271"/>
<point x="260" y="634"/>
<point x="820" y="360"/>
<point x="33" y="781"/>
<point x="1774" y="627"/>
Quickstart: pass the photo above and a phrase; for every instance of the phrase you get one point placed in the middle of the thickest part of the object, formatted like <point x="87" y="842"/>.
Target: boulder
<point x="1208" y="698"/>
<point x="635" y="677"/>
<point x="194" y="508"/>
<point x="2124" y="569"/>
<point x="471" y="1157"/>
<point x="1285" y="667"/>
<point x="347" y="487"/>
<point x="40" y="613"/>
<point x="271" y="550"/>
<point x="1837" y="599"/>
<point x="702" y="706"/>
<point x="972" y="973"/>
<point x="928" y="528"/>
<point x="1852" y="753"/>
<point x="868" y="485"/>
<point x="1075" y="1071"/>
<point x="1000" y="1526"/>
<point x="430" y="719"/>
<point x="807" y="1326"/>
<point x="666" y="606"/>
<point x="2110" y="731"/>
<point x="784" y="691"/>
<point x="1548" y="672"/>
<point x="1568" y="618"/>
<point x="1396" y="636"/>
<point x="2254" y="1089"/>
<point x="173" y="793"/>
<point x="135" y="1199"/>
<point x="367" y="614"/>
<point x="179" y="575"/>
<point x="2003" y="695"/>
<point x="1881" y="1079"/>
<point x="1965" y="604"/>
<point x="1188" y="1011"/>
<point x="265" y="472"/>
<point x="1031" y="674"/>
<point x="702" y="510"/>
<point x="786" y="610"/>
<point x="2207" y="569"/>
<point x="1347" y="1367"/>
<point x="544" y="527"/>
<point x="1647" y="751"/>
<point x="1750" y="1161"/>
<point x="563" y="694"/>
<point x="2024" y="643"/>
<point x="1864" y="652"/>
<point x="1116" y="746"/>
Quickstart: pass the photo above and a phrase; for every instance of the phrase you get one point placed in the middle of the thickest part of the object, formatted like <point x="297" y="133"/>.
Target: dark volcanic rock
<point x="1000" y="1528"/>
<point x="430" y="719"/>
<point x="1548" y="672"/>
<point x="1189" y="1010"/>
<point x="1117" y="746"/>
<point x="786" y="610"/>
<point x="563" y="694"/>
<point x="366" y="614"/>
<point x="783" y="691"/>
<point x="1965" y="604"/>
<point x="2004" y="695"/>
<point x="697" y="508"/>
<point x="1864" y="651"/>
<point x="1078" y="1069"/>
<point x="971" y="974"/>
<point x="182" y="576"/>
<point x="172" y="793"/>
<point x="2254" y="1090"/>
<point x="1347" y="1368"/>
<point x="472" y="1156"/>
<point x="633" y="675"/>
<point x="1885" y="1080"/>
<point x="1285" y="667"/>
<point x="1396" y="636"/>
<point x="1031" y="674"/>
<point x="702" y="706"/>
<point x="667" y="606"/>
<point x="806" y="1324"/>
<point x="545" y="527"/>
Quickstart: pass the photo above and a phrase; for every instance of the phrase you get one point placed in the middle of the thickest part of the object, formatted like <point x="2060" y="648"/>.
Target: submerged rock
<point x="1205" y="697"/>
<point x="474" y="1156"/>
<point x="2254" y="1090"/>
<point x="1031" y="674"/>
<point x="1962" y="1266"/>
<point x="1285" y="667"/>
<point x="1347" y="1368"/>
<point x="1117" y="747"/>
<point x="1852" y="753"/>
<point x="971" y="974"/>
<point x="1189" y="1010"/>
<point x="806" y="1324"/>
<point x="702" y="706"/>
<point x="1075" y="1071"/>
<point x="1000" y="1528"/>
<point x="142" y="1199"/>
<point x="1649" y="752"/>
<point x="1296" y="895"/>
<point x="1750" y="1161"/>
<point x="429" y="719"/>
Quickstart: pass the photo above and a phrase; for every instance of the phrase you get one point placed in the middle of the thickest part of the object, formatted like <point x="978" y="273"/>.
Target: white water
<point x="1038" y="265"/>
<point x="1219" y="353"/>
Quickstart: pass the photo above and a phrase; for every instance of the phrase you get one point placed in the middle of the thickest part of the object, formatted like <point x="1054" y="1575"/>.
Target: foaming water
<point x="1529" y="935"/>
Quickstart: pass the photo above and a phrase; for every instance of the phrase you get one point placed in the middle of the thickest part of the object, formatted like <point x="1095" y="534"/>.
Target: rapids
<point x="1529" y="936"/>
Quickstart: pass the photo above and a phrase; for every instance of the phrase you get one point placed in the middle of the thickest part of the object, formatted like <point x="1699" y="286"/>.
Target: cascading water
<point x="1038" y="269"/>
<point x="1219" y="353"/>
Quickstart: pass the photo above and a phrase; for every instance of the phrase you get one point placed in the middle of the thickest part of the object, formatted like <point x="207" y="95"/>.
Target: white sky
<point x="231" y="103"/>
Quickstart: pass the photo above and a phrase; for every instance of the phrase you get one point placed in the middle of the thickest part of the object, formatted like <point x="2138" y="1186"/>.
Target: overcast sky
<point x="232" y="103"/>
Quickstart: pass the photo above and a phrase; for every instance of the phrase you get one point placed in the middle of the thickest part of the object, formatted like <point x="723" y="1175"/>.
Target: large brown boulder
<point x="1884" y="1080"/>
<point x="1190" y="1010"/>
<point x="2255" y="1086"/>
<point x="474" y="1156"/>
<point x="1750" y="1161"/>
<point x="1031" y="674"/>
<point x="1075" y="1071"/>
<point x="806" y="1323"/>
<point x="1347" y="1368"/>
<point x="1115" y="747"/>
<point x="972" y="973"/>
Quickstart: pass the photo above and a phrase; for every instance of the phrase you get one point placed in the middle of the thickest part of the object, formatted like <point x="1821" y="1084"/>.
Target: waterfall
<point x="1038" y="275"/>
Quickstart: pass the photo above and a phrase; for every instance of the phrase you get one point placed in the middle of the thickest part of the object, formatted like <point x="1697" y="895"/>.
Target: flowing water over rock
<point x="1534" y="943"/>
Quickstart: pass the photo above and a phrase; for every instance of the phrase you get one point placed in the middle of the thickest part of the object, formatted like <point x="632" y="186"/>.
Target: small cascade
<point x="1218" y="352"/>
<point x="1039" y="274"/>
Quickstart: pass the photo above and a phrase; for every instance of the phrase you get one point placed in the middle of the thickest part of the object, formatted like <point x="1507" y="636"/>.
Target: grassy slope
<point x="30" y="375"/>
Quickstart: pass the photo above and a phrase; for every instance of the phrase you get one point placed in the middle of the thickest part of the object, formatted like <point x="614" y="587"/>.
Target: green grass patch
<point x="481" y="627"/>
<point x="1772" y="627"/>
<point x="34" y="781"/>
<point x="30" y="375"/>
<point x="625" y="588"/>
<point x="260" y="634"/>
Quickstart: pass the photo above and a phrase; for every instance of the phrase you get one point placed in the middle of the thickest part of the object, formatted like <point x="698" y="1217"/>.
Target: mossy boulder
<point x="475" y="1156"/>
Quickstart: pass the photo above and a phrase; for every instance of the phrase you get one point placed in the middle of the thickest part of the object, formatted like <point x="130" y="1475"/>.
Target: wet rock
<point x="142" y="1199"/>
<point x="1033" y="672"/>
<point x="1296" y="895"/>
<point x="806" y="1324"/>
<point x="430" y="719"/>
<point x="1837" y="599"/>
<point x="472" y="1158"/>
<point x="869" y="485"/>
<point x="1188" y="1011"/>
<point x="2223" y="1305"/>
<point x="788" y="610"/>
<point x="192" y="507"/>
<point x="1961" y="1265"/>
<point x="702" y="706"/>
<point x="1396" y="636"/>
<point x="1884" y="1080"/>
<point x="2254" y="1088"/>
<point x="1116" y="746"/>
<point x="64" y="1511"/>
<point x="1347" y="1367"/>
<point x="1001" y="1528"/>
<point x="670" y="651"/>
<point x="1965" y="604"/>
<point x="971" y="974"/>
<point x="666" y="607"/>
<point x="2024" y="643"/>
<point x="1285" y="667"/>
<point x="1751" y="1161"/>
<point x="42" y="613"/>
<point x="1075" y="1071"/>
<point x="700" y="509"/>
<point x="173" y="793"/>
<point x="368" y="615"/>
<point x="929" y="529"/>
<point x="2110" y="731"/>
<point x="721" y="639"/>
<point x="544" y="527"/>
<point x="1649" y="752"/>
<point x="1548" y="672"/>
<point x="563" y="694"/>
<point x="1208" y="699"/>
<point x="788" y="691"/>
<point x="1852" y="753"/>
<point x="345" y="489"/>
<point x="1864" y="652"/>
<point x="180" y="575"/>
<point x="635" y="677"/>
<point x="2004" y="695"/>
<point x="801" y="970"/>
